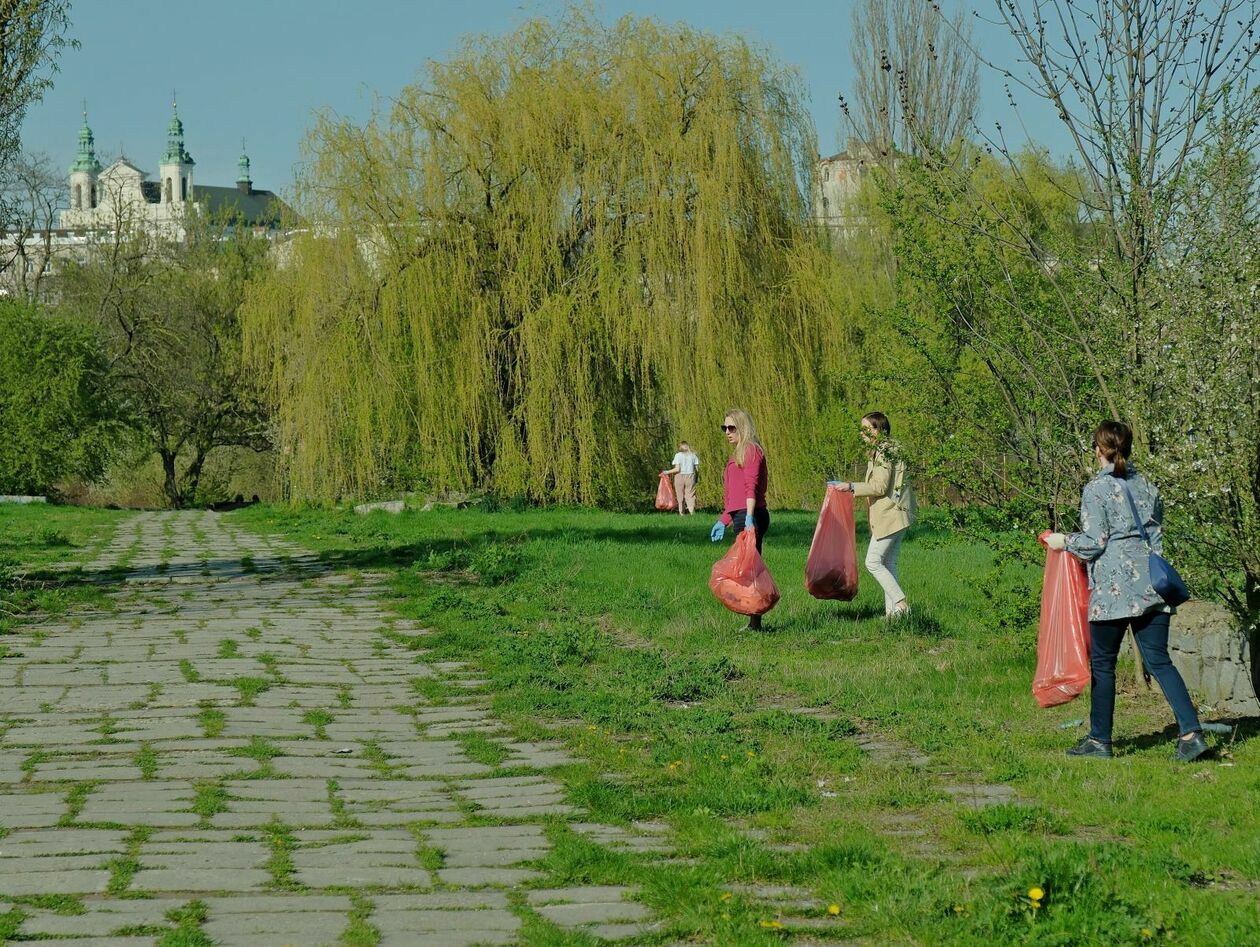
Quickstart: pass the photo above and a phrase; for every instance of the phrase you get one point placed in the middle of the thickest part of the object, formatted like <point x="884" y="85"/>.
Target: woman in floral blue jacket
<point x="1120" y="591"/>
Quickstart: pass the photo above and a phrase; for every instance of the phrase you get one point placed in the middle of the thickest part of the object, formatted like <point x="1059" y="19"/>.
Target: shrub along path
<point x="236" y="754"/>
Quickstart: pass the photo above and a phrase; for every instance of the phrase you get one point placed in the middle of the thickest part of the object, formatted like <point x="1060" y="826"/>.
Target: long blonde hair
<point x="746" y="430"/>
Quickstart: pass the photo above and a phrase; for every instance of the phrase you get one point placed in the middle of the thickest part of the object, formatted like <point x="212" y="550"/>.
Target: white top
<point x="686" y="463"/>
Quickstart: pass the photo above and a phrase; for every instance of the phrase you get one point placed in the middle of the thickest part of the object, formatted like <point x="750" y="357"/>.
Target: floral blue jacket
<point x="1110" y="544"/>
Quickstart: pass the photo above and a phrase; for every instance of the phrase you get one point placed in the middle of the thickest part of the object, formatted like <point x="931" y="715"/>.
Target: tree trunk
<point x="192" y="476"/>
<point x="170" y="484"/>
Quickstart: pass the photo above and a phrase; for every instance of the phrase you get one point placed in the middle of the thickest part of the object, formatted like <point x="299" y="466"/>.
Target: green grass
<point x="359" y="930"/>
<point x="148" y="761"/>
<point x="211" y="798"/>
<point x="319" y="718"/>
<point x="481" y="749"/>
<point x="36" y="543"/>
<point x="599" y="629"/>
<point x="259" y="749"/>
<point x="187" y="931"/>
<point x="282" y="842"/>
<point x="212" y="720"/>
<point x="250" y="687"/>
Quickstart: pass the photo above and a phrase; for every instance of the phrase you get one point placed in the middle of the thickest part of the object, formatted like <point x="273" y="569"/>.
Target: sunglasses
<point x="728" y="428"/>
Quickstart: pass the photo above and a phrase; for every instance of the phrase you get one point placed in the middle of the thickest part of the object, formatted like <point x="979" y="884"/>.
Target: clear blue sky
<point x="259" y="69"/>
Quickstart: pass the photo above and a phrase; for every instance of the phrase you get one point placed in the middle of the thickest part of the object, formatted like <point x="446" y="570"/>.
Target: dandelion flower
<point x="959" y="909"/>
<point x="771" y="925"/>
<point x="1147" y="933"/>
<point x="751" y="754"/>
<point x="726" y="896"/>
<point x="1035" y="893"/>
<point x="833" y="909"/>
<point x="724" y="757"/>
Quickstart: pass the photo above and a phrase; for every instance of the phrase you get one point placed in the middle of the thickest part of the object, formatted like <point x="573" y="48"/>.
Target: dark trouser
<point x="1151" y="632"/>
<point x="761" y="522"/>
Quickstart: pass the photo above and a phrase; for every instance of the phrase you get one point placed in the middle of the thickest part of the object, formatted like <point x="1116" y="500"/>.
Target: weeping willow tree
<point x="535" y="270"/>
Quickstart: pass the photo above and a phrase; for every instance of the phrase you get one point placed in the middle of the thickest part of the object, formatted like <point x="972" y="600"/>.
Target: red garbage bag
<point x="831" y="571"/>
<point x="740" y="579"/>
<point x="665" y="495"/>
<point x="1063" y="637"/>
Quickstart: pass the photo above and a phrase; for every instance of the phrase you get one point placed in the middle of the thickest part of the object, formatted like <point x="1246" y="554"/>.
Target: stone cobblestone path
<point x="239" y="754"/>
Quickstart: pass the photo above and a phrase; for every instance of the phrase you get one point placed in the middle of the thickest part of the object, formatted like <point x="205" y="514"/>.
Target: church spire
<point x="176" y="153"/>
<point x="86" y="159"/>
<point x="243" y="183"/>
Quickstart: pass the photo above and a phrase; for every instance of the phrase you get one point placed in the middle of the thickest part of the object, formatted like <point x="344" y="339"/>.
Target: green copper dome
<point x="242" y="166"/>
<point x="86" y="159"/>
<point x="176" y="153"/>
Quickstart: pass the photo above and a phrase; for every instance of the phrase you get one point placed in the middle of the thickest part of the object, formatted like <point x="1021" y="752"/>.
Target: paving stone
<point x="17" y="880"/>
<point x="326" y="637"/>
<point x="101" y="917"/>
<point x="298" y="925"/>
<point x="639" y="838"/>
<point x="69" y="841"/>
<point x="981" y="795"/>
<point x="594" y="912"/>
<point x="516" y="797"/>
<point x="539" y="755"/>
<point x="114" y="942"/>
<point x="478" y="877"/>
<point x="27" y="810"/>
<point x="385" y="858"/>
<point x="58" y="770"/>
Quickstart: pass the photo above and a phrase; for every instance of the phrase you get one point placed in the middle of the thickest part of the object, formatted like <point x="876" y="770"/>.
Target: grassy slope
<point x="604" y="623"/>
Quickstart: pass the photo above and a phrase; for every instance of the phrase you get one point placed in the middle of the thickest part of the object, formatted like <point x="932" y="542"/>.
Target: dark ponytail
<point x="1114" y="440"/>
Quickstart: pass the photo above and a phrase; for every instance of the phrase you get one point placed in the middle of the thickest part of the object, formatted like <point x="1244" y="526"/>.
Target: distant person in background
<point x="743" y="485"/>
<point x="890" y="509"/>
<point x="686" y="468"/>
<point x="1120" y="592"/>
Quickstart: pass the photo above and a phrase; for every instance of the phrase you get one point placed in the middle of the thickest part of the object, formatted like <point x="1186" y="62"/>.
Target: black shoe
<point x="1091" y="747"/>
<point x="1189" y="750"/>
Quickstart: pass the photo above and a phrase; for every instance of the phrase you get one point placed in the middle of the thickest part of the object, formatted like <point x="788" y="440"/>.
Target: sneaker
<point x="1189" y="750"/>
<point x="1091" y="747"/>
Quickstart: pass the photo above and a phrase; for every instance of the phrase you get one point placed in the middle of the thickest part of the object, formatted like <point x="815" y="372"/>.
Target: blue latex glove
<point x="717" y="532"/>
<point x="750" y="522"/>
<point x="835" y="483"/>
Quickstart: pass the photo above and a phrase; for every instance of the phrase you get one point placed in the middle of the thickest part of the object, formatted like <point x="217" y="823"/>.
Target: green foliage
<point x="54" y="402"/>
<point x="168" y="311"/>
<point x="32" y="38"/>
<point x="1204" y="419"/>
<point x="565" y="249"/>
<point x="989" y="358"/>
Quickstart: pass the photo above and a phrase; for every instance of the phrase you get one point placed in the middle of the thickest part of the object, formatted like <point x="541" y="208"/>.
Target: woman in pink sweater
<point x="744" y="485"/>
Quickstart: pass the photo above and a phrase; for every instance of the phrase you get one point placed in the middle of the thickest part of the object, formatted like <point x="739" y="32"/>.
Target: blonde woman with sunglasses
<point x="743" y="485"/>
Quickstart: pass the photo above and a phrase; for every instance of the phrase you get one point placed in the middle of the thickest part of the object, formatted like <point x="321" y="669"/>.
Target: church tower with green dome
<point x="243" y="182"/>
<point x="123" y="195"/>
<point x="176" y="168"/>
<point x="84" y="170"/>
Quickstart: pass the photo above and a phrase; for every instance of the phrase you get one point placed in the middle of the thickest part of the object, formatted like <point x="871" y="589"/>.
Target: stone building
<point x="103" y="198"/>
<point x="838" y="179"/>
<point x="100" y="202"/>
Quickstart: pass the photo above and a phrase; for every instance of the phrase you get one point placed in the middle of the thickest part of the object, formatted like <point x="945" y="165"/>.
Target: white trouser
<point x="881" y="562"/>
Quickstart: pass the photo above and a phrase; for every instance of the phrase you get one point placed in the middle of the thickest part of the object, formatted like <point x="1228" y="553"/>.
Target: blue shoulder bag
<point x="1167" y="583"/>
